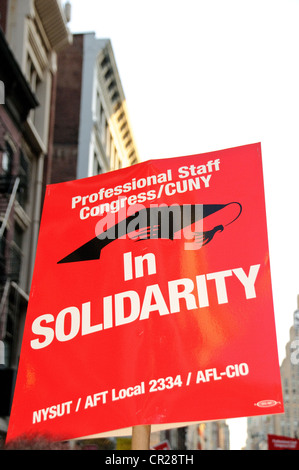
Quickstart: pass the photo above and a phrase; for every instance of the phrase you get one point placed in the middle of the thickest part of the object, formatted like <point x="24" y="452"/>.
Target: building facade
<point x="32" y="32"/>
<point x="211" y="435"/>
<point x="215" y="436"/>
<point x="92" y="129"/>
<point x="286" y="424"/>
<point x="76" y="122"/>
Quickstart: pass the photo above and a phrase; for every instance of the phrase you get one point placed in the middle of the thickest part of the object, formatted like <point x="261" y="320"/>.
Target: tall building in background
<point x="32" y="33"/>
<point x="286" y="424"/>
<point x="92" y="129"/>
<point x="216" y="435"/>
<point x="212" y="435"/>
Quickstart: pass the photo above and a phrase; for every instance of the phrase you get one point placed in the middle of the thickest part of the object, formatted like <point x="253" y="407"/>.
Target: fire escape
<point x="10" y="255"/>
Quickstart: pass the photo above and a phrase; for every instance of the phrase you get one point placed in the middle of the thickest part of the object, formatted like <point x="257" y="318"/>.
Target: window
<point x="108" y="143"/>
<point x="286" y="385"/>
<point x="99" y="110"/>
<point x="97" y="169"/>
<point x="6" y="162"/>
<point x="7" y="159"/>
<point x="24" y="174"/>
<point x="2" y="258"/>
<point x="6" y="183"/>
<point x="105" y="61"/>
<point x="34" y="79"/>
<point x="16" y="254"/>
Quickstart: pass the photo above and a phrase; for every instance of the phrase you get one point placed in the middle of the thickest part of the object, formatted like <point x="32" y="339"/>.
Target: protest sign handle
<point x="141" y="437"/>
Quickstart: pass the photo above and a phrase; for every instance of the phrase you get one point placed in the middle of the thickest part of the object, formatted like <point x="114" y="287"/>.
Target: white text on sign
<point x="114" y="311"/>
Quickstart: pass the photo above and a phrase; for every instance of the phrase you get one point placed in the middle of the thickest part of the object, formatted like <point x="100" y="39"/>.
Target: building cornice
<point x="19" y="99"/>
<point x="54" y="22"/>
<point x="116" y="101"/>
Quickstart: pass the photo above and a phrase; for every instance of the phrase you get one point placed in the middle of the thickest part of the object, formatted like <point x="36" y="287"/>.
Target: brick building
<point x="67" y="113"/>
<point x="92" y="129"/>
<point x="32" y="32"/>
<point x="19" y="101"/>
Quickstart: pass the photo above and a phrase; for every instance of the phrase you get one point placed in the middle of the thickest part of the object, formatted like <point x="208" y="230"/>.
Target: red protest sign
<point x="151" y="300"/>
<point x="282" y="443"/>
<point x="164" y="445"/>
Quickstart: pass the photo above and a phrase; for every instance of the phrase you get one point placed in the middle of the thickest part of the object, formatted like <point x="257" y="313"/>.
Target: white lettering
<point x="86" y="322"/>
<point x="159" y="305"/>
<point x="74" y="314"/>
<point x="120" y="317"/>
<point x="75" y="201"/>
<point x="248" y="281"/>
<point x="206" y="180"/>
<point x="40" y="330"/>
<point x="219" y="278"/>
<point x="202" y="291"/>
<point x="54" y="411"/>
<point x="151" y="264"/>
<point x="175" y="295"/>
<point x="128" y="266"/>
<point x="126" y="307"/>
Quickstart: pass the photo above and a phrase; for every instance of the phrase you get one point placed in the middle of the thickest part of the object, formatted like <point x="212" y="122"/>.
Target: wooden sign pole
<point x="141" y="437"/>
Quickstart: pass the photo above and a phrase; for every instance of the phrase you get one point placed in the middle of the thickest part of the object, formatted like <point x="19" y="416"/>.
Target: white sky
<point x="204" y="75"/>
